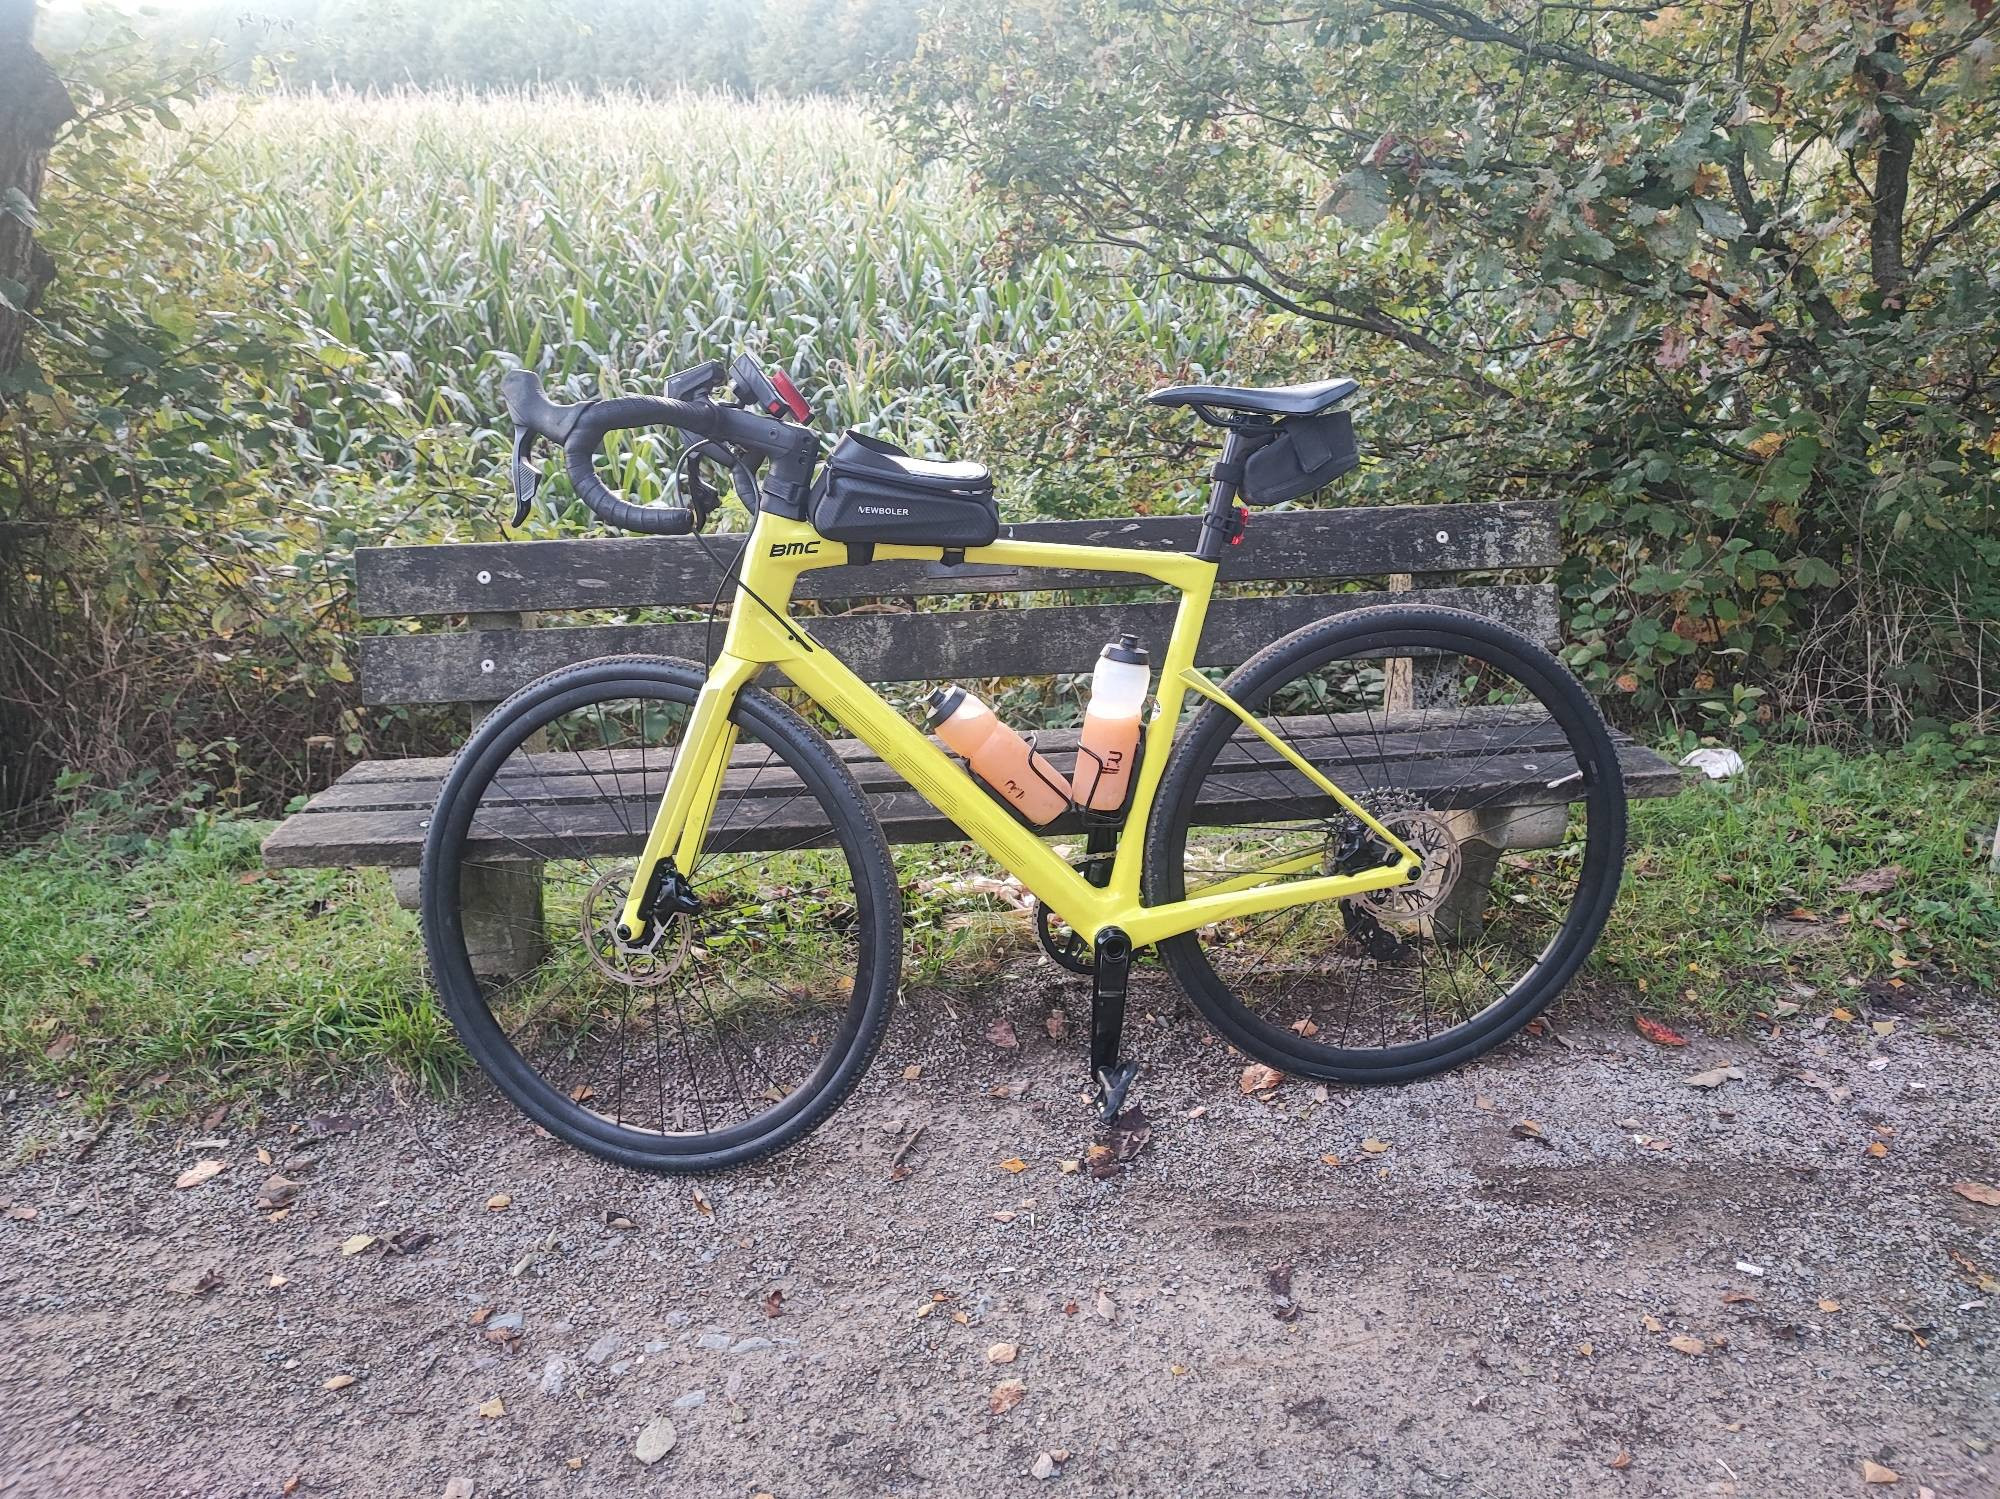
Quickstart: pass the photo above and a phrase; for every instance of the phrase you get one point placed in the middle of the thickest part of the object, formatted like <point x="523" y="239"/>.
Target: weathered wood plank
<point x="477" y="665"/>
<point x="580" y="775"/>
<point x="617" y="823"/>
<point x="636" y="572"/>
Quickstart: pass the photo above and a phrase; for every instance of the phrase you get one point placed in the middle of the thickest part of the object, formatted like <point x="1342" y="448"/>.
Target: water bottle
<point x="998" y="756"/>
<point x="1110" y="739"/>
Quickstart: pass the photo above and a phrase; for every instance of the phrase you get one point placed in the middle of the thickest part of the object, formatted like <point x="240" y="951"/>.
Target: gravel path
<point x="1657" y="1290"/>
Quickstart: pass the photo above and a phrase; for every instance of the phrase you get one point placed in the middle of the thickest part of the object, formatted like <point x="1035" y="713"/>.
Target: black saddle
<point x="1270" y="400"/>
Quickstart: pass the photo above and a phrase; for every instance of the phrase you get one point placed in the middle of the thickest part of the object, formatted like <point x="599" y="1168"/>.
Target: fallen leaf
<point x="499" y="1201"/>
<point x="1828" y="1304"/>
<point x="1622" y="1461"/>
<point x="912" y="1072"/>
<point x="774" y="1303"/>
<point x="656" y="1440"/>
<point x="1842" y="1014"/>
<point x="1104" y="1308"/>
<point x="494" y="1407"/>
<point x="1652" y="1323"/>
<point x="1715" y="1077"/>
<point x="701" y="1203"/>
<point x="1874" y="882"/>
<point x="1069" y="1167"/>
<point x="1527" y="1129"/>
<point x="1585" y="1350"/>
<point x="1692" y="1347"/>
<point x="1874" y="1472"/>
<point x="1057" y="1025"/>
<point x="1177" y="1370"/>
<point x="1658" y="1034"/>
<point x="1006" y="1395"/>
<point x="1304" y="1027"/>
<point x="1002" y="1353"/>
<point x="20" y="1212"/>
<point x="1736" y="1298"/>
<point x="263" y="1156"/>
<point x="338" y="1382"/>
<point x="1257" y="1078"/>
<point x="1278" y="1281"/>
<point x="357" y="1243"/>
<point x="1882" y="1027"/>
<point x="1016" y="1165"/>
<point x="615" y="1219"/>
<point x="1001" y="1034"/>
<point x="277" y="1282"/>
<point x="277" y="1192"/>
<point x="1481" y="1101"/>
<point x="1374" y="1146"/>
<point x="61" y="1047"/>
<point x="200" y="1172"/>
<point x="195" y="1282"/>
<point x="1006" y="1090"/>
<point x="1123" y="1140"/>
<point x="1876" y="1149"/>
<point x="1199" y="1111"/>
<point x="1978" y="1192"/>
<point x="1330" y="1160"/>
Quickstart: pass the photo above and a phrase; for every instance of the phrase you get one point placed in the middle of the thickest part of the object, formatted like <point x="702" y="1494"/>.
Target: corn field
<point x="608" y="241"/>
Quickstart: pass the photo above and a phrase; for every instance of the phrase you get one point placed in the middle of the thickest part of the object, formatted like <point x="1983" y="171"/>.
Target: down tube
<point x="951" y="790"/>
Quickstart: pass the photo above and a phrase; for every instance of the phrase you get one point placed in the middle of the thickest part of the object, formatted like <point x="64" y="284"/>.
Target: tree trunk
<point x="34" y="106"/>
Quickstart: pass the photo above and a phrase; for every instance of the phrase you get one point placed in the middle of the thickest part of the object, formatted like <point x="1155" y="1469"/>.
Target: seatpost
<point x="1219" y="522"/>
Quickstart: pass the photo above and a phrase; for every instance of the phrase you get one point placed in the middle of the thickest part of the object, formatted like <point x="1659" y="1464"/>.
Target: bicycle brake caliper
<point x="1109" y="974"/>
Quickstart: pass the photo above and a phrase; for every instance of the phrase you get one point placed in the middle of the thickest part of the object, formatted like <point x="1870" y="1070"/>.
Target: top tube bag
<point x="872" y="491"/>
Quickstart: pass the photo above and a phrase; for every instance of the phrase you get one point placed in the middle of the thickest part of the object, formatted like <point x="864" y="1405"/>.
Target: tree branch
<point x="1456" y="21"/>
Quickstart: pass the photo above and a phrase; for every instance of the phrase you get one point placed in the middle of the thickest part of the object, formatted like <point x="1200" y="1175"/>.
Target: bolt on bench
<point x="377" y="813"/>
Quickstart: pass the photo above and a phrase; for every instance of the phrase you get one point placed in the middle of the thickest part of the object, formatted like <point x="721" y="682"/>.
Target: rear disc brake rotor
<point x="1431" y="838"/>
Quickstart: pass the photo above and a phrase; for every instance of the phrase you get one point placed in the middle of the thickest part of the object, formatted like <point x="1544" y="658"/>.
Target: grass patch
<point x="163" y="971"/>
<point x="178" y="967"/>
<point x="1735" y="887"/>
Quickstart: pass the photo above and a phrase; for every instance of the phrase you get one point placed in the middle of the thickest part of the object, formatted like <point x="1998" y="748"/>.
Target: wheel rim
<point x="1511" y="894"/>
<point x="728" y="1023"/>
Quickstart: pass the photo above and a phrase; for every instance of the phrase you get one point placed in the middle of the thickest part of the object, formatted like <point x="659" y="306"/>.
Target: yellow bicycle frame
<point x="779" y="550"/>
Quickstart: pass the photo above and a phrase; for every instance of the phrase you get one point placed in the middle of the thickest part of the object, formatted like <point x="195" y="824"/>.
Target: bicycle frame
<point x="780" y="550"/>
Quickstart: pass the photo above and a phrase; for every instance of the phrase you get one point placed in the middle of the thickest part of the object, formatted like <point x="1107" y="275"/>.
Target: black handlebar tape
<point x="580" y="453"/>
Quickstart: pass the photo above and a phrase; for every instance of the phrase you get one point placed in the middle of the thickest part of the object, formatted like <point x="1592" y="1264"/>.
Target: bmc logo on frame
<point x="795" y="549"/>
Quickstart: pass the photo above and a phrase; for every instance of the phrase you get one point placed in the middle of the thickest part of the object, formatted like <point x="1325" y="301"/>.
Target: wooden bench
<point x="376" y="813"/>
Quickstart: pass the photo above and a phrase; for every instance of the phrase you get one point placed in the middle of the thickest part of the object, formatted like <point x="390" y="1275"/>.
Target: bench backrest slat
<point x="480" y="666"/>
<point x="641" y="572"/>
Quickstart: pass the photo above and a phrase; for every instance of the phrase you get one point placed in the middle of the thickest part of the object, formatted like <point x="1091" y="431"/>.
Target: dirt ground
<point x="1470" y="1312"/>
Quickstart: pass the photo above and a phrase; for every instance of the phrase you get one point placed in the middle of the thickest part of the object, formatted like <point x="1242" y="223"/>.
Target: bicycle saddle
<point x="1270" y="400"/>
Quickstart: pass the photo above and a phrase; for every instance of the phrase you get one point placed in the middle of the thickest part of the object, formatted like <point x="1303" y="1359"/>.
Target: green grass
<point x="162" y="972"/>
<point x="178" y="969"/>
<point x="1707" y="920"/>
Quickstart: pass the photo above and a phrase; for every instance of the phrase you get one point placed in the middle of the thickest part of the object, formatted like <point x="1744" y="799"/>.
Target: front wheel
<point x="729" y="1033"/>
<point x="1478" y="750"/>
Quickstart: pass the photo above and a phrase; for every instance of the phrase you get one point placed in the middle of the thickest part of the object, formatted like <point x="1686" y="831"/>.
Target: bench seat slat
<point x="640" y="572"/>
<point x="330" y="833"/>
<point x="477" y="666"/>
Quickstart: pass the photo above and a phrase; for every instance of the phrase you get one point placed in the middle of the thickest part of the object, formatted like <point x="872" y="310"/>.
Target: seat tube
<point x="1218" y="521"/>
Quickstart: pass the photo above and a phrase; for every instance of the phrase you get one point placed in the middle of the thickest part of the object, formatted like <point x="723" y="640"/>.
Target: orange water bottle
<point x="1110" y="740"/>
<point x="998" y="756"/>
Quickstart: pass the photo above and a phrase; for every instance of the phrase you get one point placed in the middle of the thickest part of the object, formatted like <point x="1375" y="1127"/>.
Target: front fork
<point x="680" y="826"/>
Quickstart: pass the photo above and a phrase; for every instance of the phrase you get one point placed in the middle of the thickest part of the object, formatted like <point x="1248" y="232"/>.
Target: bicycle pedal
<point x="1115" y="1083"/>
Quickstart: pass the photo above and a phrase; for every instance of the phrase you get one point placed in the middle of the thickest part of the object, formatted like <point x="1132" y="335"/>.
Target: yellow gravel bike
<point x="1327" y="849"/>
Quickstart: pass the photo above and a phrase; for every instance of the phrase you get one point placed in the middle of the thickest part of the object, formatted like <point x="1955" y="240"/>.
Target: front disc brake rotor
<point x="639" y="965"/>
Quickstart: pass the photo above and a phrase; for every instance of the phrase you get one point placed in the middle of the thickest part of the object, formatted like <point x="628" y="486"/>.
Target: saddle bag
<point x="1308" y="453"/>
<point x="872" y="491"/>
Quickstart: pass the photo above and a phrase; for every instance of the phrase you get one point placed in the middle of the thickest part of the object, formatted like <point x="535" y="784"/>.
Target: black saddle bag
<point x="872" y="491"/>
<point x="1308" y="453"/>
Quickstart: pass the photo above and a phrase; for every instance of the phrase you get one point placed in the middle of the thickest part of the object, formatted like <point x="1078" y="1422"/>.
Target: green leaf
<point x="1359" y="199"/>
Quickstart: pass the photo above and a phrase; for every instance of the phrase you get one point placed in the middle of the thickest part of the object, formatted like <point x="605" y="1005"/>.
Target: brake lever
<point x="527" y="477"/>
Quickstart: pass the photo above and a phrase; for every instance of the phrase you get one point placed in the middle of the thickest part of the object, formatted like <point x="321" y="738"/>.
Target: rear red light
<point x="789" y="394"/>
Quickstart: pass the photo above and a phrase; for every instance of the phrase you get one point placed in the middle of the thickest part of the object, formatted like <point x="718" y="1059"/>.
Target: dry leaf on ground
<point x="357" y="1243"/>
<point x="1257" y="1078"/>
<point x="1978" y="1192"/>
<point x="1006" y="1395"/>
<point x="1002" y="1353"/>
<point x="198" y="1173"/>
<point x="1692" y="1347"/>
<point x="1016" y="1165"/>
<point x="1001" y="1034"/>
<point x="1374" y="1146"/>
<point x="1715" y="1077"/>
<point x="494" y="1407"/>
<point x="1874" y="882"/>
<point x="499" y="1201"/>
<point x="1622" y="1461"/>
<point x="1658" y="1034"/>
<point x="338" y="1382"/>
<point x="1874" y="1472"/>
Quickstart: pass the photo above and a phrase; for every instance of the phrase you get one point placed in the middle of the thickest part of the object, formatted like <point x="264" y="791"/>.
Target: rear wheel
<point x="1478" y="750"/>
<point x="729" y="1033"/>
